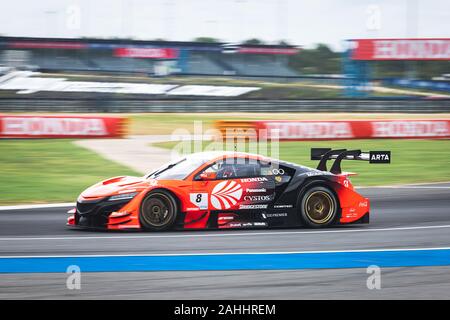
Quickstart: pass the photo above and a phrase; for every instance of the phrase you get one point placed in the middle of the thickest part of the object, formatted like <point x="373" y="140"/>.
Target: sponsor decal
<point x="226" y="194"/>
<point x="258" y="198"/>
<point x="283" y="206"/>
<point x="226" y="218"/>
<point x="200" y="200"/>
<point x="255" y="190"/>
<point x="192" y="209"/>
<point x="260" y="224"/>
<point x="274" y="215"/>
<point x="380" y="157"/>
<point x="313" y="173"/>
<point x="246" y="224"/>
<point x="253" y="206"/>
<point x="235" y="225"/>
<point x="278" y="179"/>
<point x="256" y="179"/>
<point x="363" y="204"/>
<point x="278" y="171"/>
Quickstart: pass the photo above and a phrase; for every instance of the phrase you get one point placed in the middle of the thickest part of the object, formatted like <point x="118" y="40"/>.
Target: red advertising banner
<point x="149" y="53"/>
<point x="46" y="45"/>
<point x="337" y="130"/>
<point x="401" y="49"/>
<point x="30" y="126"/>
<point x="355" y="129"/>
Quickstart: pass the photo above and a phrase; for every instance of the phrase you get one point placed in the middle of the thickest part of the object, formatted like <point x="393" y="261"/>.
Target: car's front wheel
<point x="158" y="211"/>
<point x="319" y="207"/>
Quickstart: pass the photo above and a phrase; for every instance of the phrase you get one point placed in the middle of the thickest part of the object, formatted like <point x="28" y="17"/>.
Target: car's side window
<point x="233" y="168"/>
<point x="248" y="169"/>
<point x="281" y="174"/>
<point x="211" y="171"/>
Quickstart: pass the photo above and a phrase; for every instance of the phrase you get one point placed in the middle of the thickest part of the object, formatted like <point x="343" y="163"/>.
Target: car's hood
<point x="116" y="185"/>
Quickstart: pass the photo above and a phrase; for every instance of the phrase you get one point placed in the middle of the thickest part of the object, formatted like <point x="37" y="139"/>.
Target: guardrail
<point x="235" y="105"/>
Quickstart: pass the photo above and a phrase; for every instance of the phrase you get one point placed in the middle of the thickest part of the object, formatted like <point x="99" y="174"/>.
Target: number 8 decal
<point x="200" y="200"/>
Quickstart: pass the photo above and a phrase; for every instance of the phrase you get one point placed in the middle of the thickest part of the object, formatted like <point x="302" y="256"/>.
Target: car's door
<point x="232" y="189"/>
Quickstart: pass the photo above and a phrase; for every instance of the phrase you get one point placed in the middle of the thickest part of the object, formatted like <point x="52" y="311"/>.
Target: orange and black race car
<point x="220" y="190"/>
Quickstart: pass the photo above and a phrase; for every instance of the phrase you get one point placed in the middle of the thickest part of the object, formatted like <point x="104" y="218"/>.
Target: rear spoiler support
<point x="325" y="154"/>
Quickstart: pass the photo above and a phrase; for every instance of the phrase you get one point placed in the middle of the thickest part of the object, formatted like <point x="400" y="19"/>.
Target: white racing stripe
<point x="205" y="235"/>
<point x="226" y="253"/>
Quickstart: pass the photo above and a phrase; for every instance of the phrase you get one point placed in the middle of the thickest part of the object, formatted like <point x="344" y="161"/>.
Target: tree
<point x="283" y="43"/>
<point x="206" y="39"/>
<point x="319" y="60"/>
<point x="253" y="41"/>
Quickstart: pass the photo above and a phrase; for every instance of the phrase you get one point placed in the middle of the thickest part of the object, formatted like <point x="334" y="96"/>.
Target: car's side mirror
<point x="205" y="176"/>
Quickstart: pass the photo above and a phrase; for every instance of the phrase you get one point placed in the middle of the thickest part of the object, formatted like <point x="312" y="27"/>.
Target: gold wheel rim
<point x="319" y="207"/>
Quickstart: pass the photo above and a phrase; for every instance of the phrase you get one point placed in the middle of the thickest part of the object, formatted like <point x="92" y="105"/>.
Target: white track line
<point x="37" y="206"/>
<point x="226" y="253"/>
<point x="206" y="235"/>
<point x="424" y="185"/>
<point x="405" y="187"/>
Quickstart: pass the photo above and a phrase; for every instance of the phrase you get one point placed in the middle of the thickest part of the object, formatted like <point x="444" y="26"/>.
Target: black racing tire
<point x="319" y="207"/>
<point x="158" y="211"/>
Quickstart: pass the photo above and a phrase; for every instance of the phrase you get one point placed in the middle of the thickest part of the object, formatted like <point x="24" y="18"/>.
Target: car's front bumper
<point x="96" y="214"/>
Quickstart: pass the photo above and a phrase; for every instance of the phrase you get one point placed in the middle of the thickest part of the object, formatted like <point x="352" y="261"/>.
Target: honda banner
<point x="336" y="130"/>
<point x="29" y="126"/>
<point x="149" y="53"/>
<point x="401" y="49"/>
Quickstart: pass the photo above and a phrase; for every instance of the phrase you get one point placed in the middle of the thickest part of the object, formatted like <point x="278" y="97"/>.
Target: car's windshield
<point x="177" y="170"/>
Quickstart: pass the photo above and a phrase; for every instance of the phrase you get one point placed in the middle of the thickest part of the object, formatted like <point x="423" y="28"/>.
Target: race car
<point x="227" y="190"/>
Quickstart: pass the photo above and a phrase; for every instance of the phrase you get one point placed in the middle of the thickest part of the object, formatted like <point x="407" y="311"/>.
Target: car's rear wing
<point x="325" y="154"/>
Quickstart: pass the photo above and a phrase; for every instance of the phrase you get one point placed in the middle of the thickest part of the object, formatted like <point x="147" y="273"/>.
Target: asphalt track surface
<point x="405" y="217"/>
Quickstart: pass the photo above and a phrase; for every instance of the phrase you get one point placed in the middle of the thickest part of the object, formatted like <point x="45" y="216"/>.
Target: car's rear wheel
<point x="319" y="207"/>
<point x="158" y="211"/>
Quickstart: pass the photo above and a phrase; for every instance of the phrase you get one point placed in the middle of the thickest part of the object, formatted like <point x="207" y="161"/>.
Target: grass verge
<point x="34" y="171"/>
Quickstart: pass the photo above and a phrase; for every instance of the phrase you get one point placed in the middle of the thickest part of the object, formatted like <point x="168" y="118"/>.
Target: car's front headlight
<point x="123" y="196"/>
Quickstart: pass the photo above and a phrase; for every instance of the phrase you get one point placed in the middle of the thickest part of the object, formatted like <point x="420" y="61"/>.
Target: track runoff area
<point x="408" y="235"/>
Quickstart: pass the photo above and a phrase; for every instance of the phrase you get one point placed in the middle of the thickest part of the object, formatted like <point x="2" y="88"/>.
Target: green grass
<point x="35" y="171"/>
<point x="413" y="161"/>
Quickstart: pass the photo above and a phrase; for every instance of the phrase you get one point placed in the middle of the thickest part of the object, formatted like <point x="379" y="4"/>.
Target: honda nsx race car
<point x="221" y="190"/>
